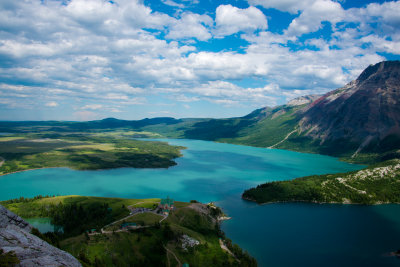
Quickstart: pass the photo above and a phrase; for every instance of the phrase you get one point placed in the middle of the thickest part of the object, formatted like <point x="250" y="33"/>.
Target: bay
<point x="218" y="172"/>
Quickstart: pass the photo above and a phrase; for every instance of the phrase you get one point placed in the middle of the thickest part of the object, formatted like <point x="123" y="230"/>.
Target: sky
<point x="131" y="59"/>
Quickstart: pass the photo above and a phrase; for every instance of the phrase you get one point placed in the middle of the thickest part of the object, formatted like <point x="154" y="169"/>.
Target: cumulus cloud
<point x="310" y="19"/>
<point x="191" y="25"/>
<point x="117" y="54"/>
<point x="227" y="93"/>
<point x="230" y="20"/>
<point x="388" y="11"/>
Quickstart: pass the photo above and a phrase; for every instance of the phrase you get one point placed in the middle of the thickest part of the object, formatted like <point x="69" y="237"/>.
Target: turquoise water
<point x="208" y="171"/>
<point x="211" y="171"/>
<point x="44" y="225"/>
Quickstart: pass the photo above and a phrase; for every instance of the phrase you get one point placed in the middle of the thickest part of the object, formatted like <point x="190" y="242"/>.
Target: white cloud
<point x="51" y="104"/>
<point x="230" y="20"/>
<point x="191" y="25"/>
<point x="388" y="11"/>
<point x="184" y="98"/>
<point x="92" y="106"/>
<point x="292" y="6"/>
<point x="230" y="94"/>
<point x="225" y="102"/>
<point x="104" y="52"/>
<point x="310" y="19"/>
<point x="382" y="45"/>
<point x="172" y="3"/>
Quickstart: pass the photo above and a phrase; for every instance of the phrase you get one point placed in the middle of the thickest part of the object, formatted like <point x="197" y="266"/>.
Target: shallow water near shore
<point x="314" y="234"/>
<point x="44" y="225"/>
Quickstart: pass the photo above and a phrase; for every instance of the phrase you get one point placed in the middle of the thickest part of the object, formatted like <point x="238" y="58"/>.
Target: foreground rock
<point x="30" y="250"/>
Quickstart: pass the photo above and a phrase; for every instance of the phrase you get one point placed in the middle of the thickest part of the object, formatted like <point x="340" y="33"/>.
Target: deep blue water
<point x="276" y="234"/>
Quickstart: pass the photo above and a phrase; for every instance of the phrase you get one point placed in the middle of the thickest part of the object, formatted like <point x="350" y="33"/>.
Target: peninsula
<point x="376" y="184"/>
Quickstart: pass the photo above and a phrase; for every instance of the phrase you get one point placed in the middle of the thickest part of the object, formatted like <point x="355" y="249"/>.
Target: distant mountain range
<point x="359" y="121"/>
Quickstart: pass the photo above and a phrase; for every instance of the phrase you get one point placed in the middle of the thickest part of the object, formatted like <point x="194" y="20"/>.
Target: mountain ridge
<point x="362" y="114"/>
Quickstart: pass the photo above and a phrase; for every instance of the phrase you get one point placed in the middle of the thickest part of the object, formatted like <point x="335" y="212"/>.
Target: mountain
<point x="359" y="122"/>
<point x="363" y="116"/>
<point x="303" y="100"/>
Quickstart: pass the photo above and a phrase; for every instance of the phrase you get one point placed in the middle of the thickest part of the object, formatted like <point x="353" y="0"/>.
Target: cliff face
<point x="365" y="112"/>
<point x="30" y="250"/>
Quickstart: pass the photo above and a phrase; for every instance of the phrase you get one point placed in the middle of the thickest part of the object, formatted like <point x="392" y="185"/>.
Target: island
<point x="377" y="184"/>
<point x="102" y="231"/>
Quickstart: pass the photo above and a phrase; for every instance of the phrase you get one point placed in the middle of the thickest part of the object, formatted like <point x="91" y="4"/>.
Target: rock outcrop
<point x="303" y="100"/>
<point x="31" y="250"/>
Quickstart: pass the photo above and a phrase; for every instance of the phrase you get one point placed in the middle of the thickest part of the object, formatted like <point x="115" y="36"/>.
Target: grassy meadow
<point x="83" y="151"/>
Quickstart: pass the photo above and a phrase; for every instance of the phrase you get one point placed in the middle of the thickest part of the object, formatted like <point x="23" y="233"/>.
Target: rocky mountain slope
<point x="30" y="250"/>
<point x="364" y="115"/>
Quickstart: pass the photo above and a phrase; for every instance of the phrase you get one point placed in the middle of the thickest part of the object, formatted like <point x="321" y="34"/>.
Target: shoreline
<point x="100" y="169"/>
<point x="317" y="202"/>
<point x="3" y="174"/>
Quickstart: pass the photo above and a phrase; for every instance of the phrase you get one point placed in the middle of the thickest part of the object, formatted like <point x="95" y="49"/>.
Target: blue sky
<point x="132" y="59"/>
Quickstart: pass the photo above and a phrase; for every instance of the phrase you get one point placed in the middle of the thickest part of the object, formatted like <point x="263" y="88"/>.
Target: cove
<point x="208" y="171"/>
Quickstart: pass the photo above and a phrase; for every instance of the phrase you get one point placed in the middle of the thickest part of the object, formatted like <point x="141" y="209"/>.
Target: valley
<point x="357" y="123"/>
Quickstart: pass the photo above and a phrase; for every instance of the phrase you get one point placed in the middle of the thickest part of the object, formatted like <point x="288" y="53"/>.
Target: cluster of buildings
<point x="166" y="205"/>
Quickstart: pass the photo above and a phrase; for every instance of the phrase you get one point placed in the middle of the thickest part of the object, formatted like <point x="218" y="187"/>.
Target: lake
<point x="276" y="234"/>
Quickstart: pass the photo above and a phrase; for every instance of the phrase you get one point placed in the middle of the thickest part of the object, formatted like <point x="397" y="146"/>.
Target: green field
<point x="83" y="151"/>
<point x="39" y="206"/>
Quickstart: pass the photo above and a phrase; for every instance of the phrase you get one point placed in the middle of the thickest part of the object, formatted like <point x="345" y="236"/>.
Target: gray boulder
<point x="31" y="250"/>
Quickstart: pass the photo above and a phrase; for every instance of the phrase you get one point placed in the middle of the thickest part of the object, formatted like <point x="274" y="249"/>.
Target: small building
<point x="166" y="205"/>
<point x="128" y="225"/>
